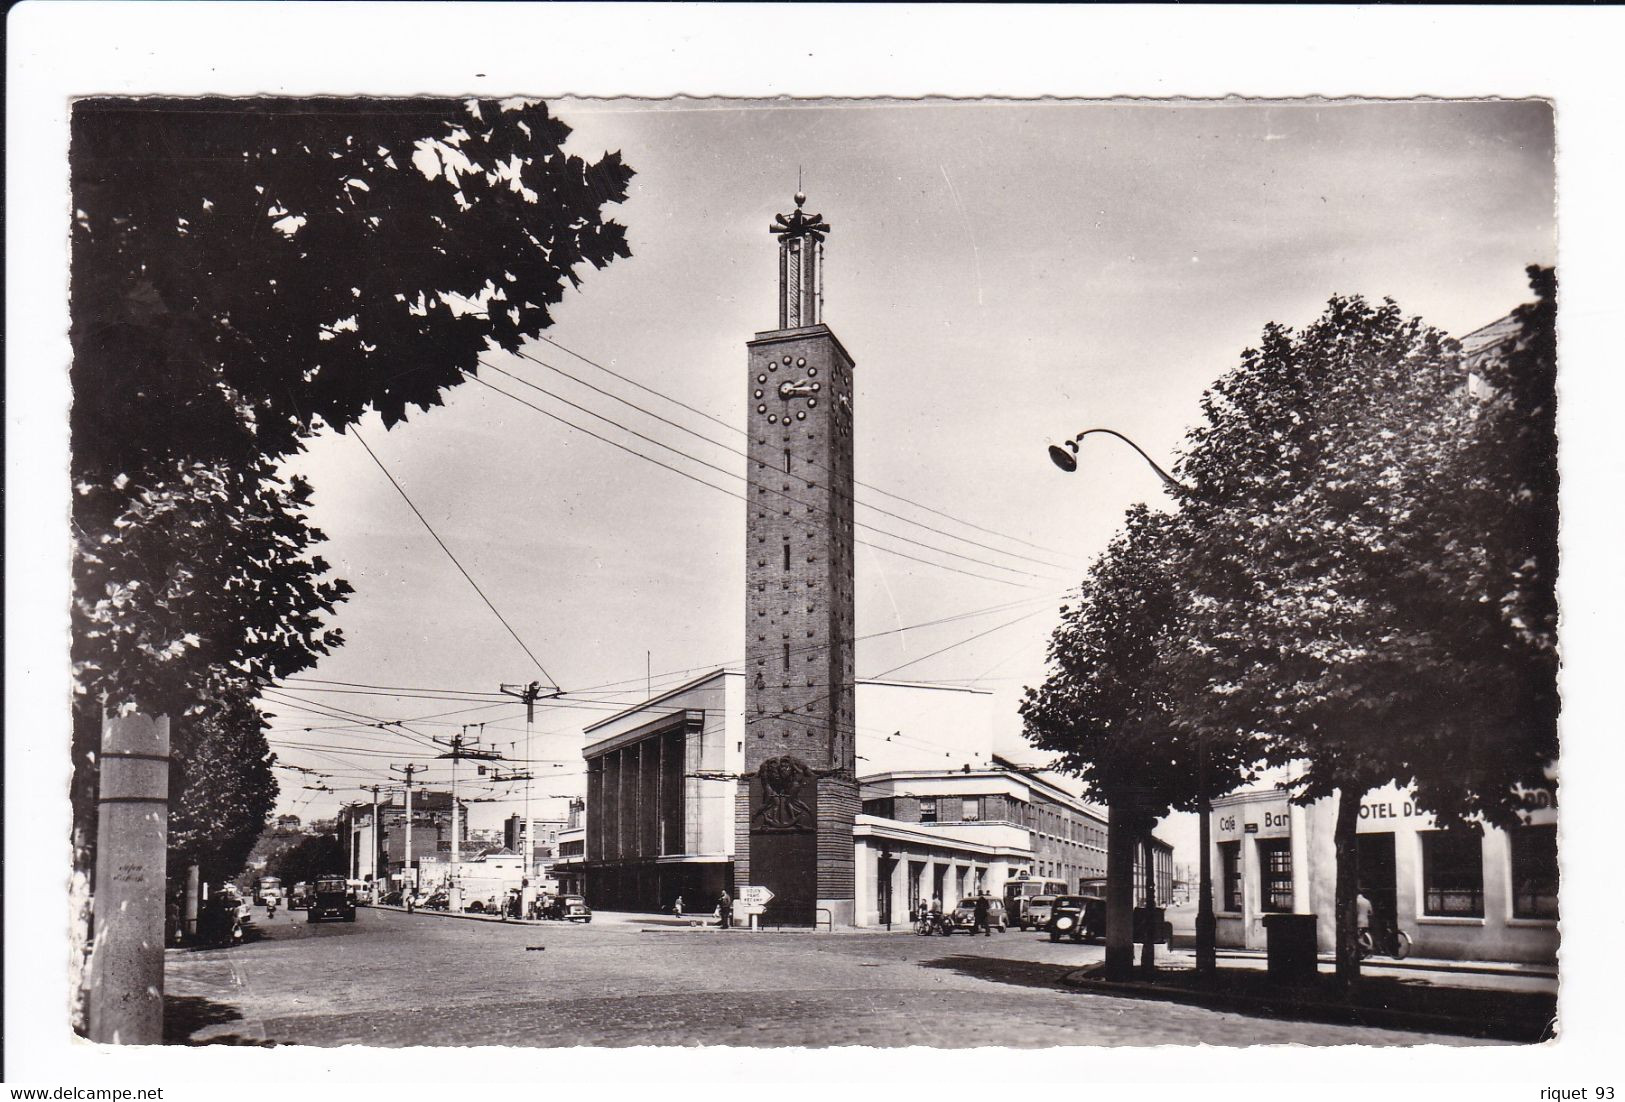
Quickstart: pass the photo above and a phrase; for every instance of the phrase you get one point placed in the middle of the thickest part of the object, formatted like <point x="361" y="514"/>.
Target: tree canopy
<point x="310" y="857"/>
<point x="247" y="273"/>
<point x="1107" y="708"/>
<point x="1359" y="582"/>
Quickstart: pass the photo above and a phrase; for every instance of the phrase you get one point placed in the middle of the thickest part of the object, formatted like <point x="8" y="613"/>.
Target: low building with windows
<point x="952" y="833"/>
<point x="942" y="814"/>
<point x="1458" y="894"/>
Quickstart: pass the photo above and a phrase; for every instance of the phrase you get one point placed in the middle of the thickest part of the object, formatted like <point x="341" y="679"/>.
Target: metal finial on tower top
<point x="798" y="223"/>
<point x="801" y="267"/>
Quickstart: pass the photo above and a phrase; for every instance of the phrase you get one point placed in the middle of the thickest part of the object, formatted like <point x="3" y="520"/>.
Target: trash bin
<point x="1149" y="925"/>
<point x="1292" y="948"/>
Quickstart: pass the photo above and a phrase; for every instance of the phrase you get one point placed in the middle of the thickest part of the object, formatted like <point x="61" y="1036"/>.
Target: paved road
<point x="398" y="979"/>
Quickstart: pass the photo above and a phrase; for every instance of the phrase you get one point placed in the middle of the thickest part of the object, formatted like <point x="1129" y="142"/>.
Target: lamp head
<point x="1065" y="457"/>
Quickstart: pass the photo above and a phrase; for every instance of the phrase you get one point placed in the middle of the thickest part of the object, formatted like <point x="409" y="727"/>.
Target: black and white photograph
<point x="565" y="566"/>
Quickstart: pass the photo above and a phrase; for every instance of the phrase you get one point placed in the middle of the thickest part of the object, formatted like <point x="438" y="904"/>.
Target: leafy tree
<point x="221" y="775"/>
<point x="246" y="273"/>
<point x="1327" y="594"/>
<point x="317" y="855"/>
<point x="1485" y="572"/>
<point x="1106" y="708"/>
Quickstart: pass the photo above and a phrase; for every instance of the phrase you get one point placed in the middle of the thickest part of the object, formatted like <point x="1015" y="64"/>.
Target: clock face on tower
<point x="788" y="388"/>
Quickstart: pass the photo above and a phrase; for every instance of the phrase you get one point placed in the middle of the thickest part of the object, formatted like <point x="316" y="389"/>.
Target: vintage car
<point x="572" y="908"/>
<point x="963" y="916"/>
<point x="1038" y="911"/>
<point x="299" y="897"/>
<point x="331" y="898"/>
<point x="1077" y="917"/>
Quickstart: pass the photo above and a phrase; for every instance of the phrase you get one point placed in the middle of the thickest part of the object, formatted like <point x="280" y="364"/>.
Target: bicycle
<point x="1395" y="943"/>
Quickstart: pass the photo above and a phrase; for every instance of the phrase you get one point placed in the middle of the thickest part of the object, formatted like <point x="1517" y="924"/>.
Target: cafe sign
<point x="1258" y="820"/>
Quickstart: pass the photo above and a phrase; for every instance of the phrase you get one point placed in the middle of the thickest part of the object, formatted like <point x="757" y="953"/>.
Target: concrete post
<point x="126" y="998"/>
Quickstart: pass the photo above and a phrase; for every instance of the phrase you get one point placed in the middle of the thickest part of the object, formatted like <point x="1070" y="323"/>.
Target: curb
<point x="1525" y="1031"/>
<point x="468" y="916"/>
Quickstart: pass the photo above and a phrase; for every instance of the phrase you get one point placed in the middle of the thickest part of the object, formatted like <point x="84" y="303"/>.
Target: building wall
<point x="656" y="827"/>
<point x="913" y="865"/>
<point x="1062" y="837"/>
<point x="1248" y="819"/>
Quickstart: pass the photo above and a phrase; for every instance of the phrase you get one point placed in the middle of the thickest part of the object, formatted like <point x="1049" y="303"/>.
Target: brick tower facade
<point x="794" y="817"/>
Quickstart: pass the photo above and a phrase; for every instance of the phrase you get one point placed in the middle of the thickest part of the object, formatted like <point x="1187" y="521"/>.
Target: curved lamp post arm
<point x="1065" y="456"/>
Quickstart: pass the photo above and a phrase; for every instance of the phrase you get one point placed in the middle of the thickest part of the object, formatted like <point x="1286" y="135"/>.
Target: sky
<point x="1005" y="274"/>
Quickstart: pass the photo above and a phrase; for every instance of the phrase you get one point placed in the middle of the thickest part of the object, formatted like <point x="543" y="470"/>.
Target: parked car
<point x="220" y="919"/>
<point x="438" y="901"/>
<point x="237" y="902"/>
<point x="571" y="908"/>
<point x="1038" y="911"/>
<point x="963" y="916"/>
<point x="393" y="898"/>
<point x="331" y="899"/>
<point x="1077" y="917"/>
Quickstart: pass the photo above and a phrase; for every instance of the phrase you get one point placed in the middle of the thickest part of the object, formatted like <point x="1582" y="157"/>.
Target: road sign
<point x="754" y="896"/>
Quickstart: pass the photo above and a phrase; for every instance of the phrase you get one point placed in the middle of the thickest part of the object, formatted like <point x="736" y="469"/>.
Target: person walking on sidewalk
<point x="982" y="910"/>
<point x="677" y="907"/>
<point x="725" y="909"/>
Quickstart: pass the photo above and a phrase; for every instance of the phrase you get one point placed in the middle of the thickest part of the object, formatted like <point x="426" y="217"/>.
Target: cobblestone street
<point x="398" y="979"/>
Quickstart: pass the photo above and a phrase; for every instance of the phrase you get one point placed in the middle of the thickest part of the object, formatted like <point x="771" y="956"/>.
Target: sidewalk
<point x="1434" y="996"/>
<point x="1422" y="964"/>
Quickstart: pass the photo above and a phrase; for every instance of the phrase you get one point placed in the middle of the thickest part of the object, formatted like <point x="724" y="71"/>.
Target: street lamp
<point x="1065" y="456"/>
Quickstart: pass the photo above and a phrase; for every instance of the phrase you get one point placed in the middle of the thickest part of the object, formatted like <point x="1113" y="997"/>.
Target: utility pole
<point x="460" y="746"/>
<point x="377" y="835"/>
<point x="529" y="694"/>
<point x="406" y="862"/>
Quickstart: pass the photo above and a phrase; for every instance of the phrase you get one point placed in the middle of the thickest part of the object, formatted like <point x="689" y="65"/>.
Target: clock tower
<point x="794" y="821"/>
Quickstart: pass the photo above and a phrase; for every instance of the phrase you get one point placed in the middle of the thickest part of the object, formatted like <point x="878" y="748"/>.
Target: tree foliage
<point x="316" y="855"/>
<point x="246" y="273"/>
<point x="222" y="789"/>
<point x="1359" y="583"/>
<point x="1106" y="707"/>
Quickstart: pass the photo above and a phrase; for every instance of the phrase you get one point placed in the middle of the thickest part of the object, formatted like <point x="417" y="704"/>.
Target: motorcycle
<point x="934" y="923"/>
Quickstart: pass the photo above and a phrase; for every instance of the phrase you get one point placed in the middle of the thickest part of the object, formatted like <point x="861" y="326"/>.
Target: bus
<point x="267" y="885"/>
<point x="1018" y="892"/>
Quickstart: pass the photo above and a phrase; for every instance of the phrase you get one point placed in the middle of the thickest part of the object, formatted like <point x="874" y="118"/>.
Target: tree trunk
<point x="1345" y="838"/>
<point x="1120" y="841"/>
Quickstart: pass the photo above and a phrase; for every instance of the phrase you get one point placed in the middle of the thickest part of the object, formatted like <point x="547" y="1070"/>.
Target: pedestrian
<point x="982" y="908"/>
<point x="725" y="909"/>
<point x="677" y="907"/>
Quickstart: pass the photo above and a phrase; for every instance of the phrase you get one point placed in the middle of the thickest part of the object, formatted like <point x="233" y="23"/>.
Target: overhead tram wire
<point x="803" y="649"/>
<point x="332" y="711"/>
<point x="742" y="497"/>
<point x="407" y="688"/>
<point x="746" y="455"/>
<point x="761" y="485"/>
<point x="735" y="428"/>
<point x="470" y="578"/>
<point x="789" y="713"/>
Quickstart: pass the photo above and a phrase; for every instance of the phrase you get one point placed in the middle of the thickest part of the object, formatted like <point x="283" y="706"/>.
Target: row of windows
<point x="1452" y="873"/>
